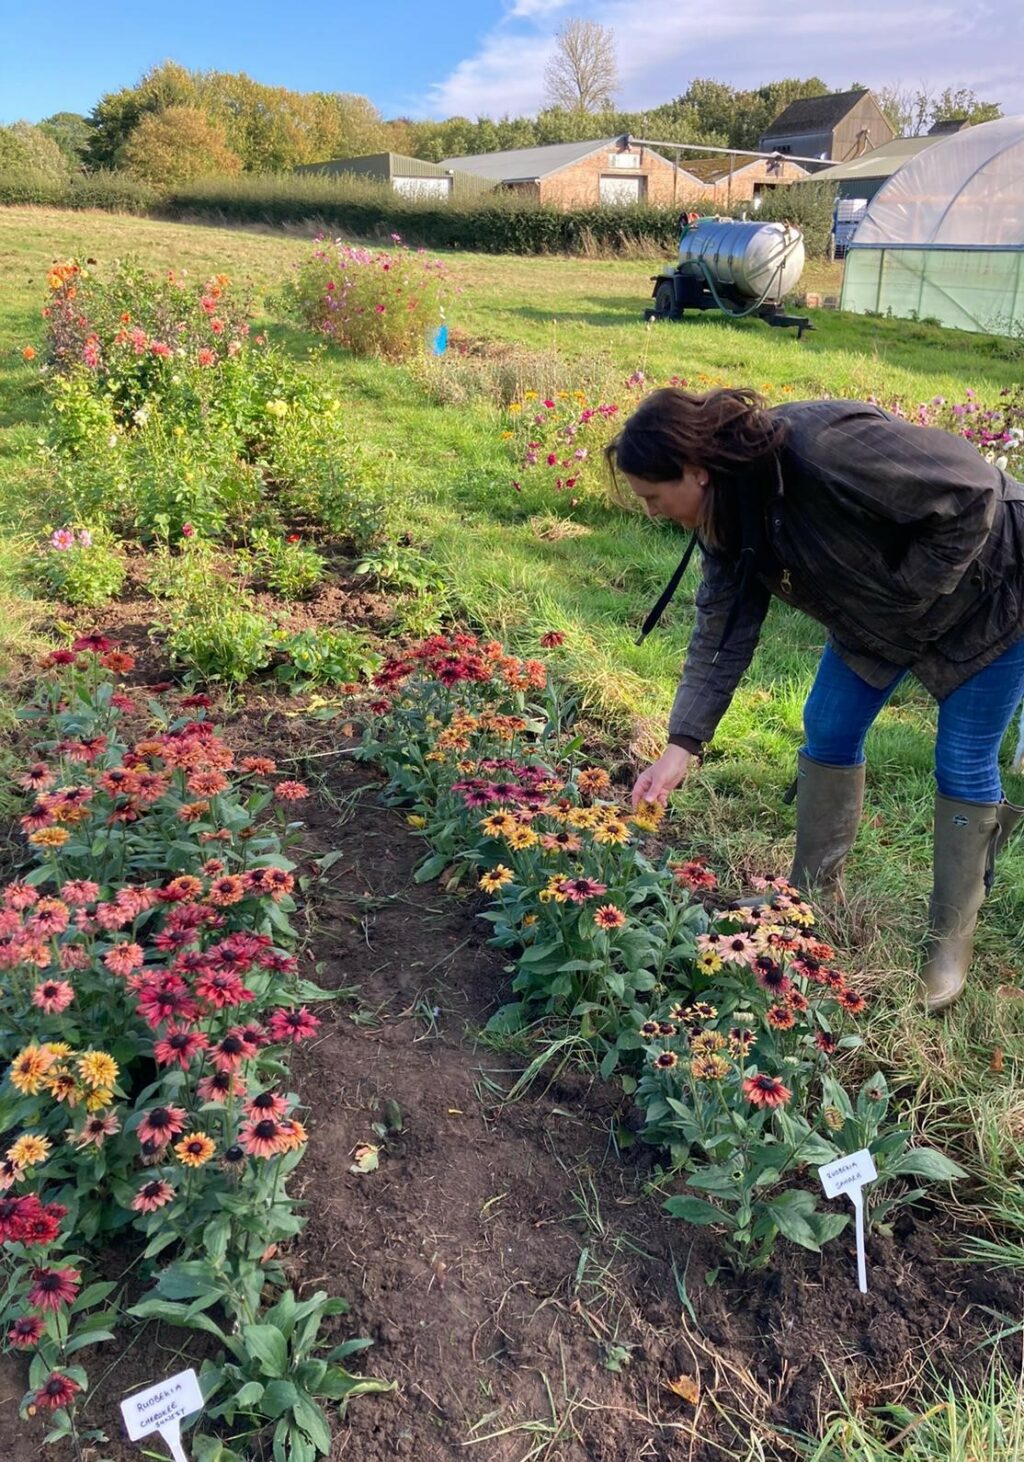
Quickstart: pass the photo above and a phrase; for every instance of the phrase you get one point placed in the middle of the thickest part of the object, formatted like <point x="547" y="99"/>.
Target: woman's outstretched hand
<point x="662" y="777"/>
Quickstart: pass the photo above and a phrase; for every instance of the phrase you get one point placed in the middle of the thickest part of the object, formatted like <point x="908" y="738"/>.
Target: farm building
<point x="406" y="175"/>
<point x="943" y="238"/>
<point x="584" y="174"/>
<point x="734" y="180"/>
<point x="836" y="127"/>
<point x="862" y="176"/>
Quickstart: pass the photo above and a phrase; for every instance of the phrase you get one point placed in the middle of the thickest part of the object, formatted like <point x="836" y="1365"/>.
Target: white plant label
<point x="848" y="1175"/>
<point x="162" y="1408"/>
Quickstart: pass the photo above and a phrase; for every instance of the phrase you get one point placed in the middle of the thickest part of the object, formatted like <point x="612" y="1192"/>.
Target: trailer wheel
<point x="665" y="307"/>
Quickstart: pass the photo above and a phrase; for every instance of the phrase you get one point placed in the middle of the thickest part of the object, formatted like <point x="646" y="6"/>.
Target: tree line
<point x="175" y="125"/>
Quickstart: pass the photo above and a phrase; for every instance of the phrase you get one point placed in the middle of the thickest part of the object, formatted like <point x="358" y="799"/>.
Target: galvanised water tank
<point x="754" y="260"/>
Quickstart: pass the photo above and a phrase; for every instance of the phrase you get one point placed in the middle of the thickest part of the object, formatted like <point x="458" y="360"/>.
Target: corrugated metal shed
<point x="380" y="165"/>
<point x="528" y="164"/>
<point x="880" y="162"/>
<point x="385" y="167"/>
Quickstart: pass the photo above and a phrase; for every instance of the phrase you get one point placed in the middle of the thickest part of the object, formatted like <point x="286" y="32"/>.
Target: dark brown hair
<point x="729" y="432"/>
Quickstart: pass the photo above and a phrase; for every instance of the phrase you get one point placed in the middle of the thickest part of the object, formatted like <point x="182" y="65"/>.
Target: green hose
<point x="741" y="314"/>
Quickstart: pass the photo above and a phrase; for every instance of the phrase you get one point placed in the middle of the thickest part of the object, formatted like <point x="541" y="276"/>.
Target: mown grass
<point x="513" y="568"/>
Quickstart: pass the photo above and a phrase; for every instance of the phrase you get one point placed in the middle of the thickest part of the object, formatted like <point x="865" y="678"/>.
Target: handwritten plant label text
<point x="848" y="1172"/>
<point x="162" y="1408"/>
<point x="848" y="1175"/>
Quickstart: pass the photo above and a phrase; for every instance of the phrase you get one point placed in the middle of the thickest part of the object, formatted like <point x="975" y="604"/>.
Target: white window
<point x="623" y="159"/>
<point x="423" y="187"/>
<point x="622" y="191"/>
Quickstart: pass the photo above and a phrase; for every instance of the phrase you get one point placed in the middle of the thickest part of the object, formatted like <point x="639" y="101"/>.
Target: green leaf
<point x="174" y="1314"/>
<point x="692" y="1210"/>
<point x="92" y="1294"/>
<point x="248" y="1395"/>
<point x="186" y="1281"/>
<point x="311" y="1419"/>
<point x="279" y="1397"/>
<point x="88" y="1337"/>
<point x="215" y="1238"/>
<point x="538" y="952"/>
<point x="297" y="1447"/>
<point x="431" y="868"/>
<point x="925" y="1162"/>
<point x="790" y="1213"/>
<point x="827" y="1226"/>
<point x="268" y="1345"/>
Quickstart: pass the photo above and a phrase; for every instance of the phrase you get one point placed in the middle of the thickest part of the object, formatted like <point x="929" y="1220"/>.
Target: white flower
<point x="1001" y="463"/>
<point x="112" y="440"/>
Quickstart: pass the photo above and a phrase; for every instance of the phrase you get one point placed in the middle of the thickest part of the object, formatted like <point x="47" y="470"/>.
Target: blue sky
<point x="420" y="58"/>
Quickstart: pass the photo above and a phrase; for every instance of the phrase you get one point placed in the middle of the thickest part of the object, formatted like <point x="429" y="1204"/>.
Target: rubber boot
<point x="829" y="801"/>
<point x="968" y="835"/>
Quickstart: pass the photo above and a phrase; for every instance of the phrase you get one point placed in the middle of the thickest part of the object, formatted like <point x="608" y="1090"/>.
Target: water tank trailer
<point x="741" y="268"/>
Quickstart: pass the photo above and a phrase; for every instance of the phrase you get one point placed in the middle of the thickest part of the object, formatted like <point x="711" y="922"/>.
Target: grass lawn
<point x="513" y="566"/>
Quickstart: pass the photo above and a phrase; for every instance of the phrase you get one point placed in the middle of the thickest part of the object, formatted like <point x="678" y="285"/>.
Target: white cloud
<point x="663" y="44"/>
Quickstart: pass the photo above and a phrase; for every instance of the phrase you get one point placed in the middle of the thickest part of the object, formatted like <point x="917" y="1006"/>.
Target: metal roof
<point x="523" y="164"/>
<point x="815" y="113"/>
<point x="377" y="164"/>
<point x="880" y="162"/>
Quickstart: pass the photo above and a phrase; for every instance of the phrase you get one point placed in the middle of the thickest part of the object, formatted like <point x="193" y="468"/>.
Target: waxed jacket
<point x="901" y="540"/>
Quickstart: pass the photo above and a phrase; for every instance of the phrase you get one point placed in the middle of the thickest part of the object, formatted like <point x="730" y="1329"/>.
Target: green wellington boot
<point x="968" y="836"/>
<point x="829" y="801"/>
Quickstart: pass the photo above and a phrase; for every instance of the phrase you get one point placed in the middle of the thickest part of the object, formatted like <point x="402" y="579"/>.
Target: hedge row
<point x="112" y="191"/>
<point x="496" y="224"/>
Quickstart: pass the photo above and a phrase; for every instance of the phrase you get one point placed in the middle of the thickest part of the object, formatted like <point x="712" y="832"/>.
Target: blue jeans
<point x="972" y="722"/>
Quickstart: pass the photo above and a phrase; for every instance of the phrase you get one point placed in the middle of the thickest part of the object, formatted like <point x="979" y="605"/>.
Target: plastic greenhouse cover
<point x="966" y="190"/>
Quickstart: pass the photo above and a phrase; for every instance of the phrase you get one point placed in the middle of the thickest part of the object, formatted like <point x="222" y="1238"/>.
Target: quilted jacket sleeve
<point x="708" y="684"/>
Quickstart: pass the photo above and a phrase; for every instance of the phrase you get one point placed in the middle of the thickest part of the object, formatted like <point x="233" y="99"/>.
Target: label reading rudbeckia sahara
<point x="848" y="1175"/>
<point x="844" y="1173"/>
<point x="162" y="1408"/>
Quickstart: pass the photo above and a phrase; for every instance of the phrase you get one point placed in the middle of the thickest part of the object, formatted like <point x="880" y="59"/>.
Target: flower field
<point x="363" y="1047"/>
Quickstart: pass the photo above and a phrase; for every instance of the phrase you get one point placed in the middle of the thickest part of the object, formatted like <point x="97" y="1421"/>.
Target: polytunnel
<point x="944" y="237"/>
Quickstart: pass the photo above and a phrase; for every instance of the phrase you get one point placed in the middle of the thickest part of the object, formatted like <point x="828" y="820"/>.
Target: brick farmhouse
<point x="585" y="174"/>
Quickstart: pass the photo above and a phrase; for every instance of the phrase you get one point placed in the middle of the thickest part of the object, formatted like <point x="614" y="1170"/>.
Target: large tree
<point x="178" y="145"/>
<point x="71" y="132"/>
<point x="28" y="152"/>
<point x="912" y="110"/>
<point x="582" y="75"/>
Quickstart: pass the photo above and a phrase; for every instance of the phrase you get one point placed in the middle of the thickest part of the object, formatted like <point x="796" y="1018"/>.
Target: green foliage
<point x="286" y="566"/>
<point x="113" y="191"/>
<point x="324" y="657"/>
<point x="30" y="153"/>
<point x="177" y="146"/>
<point x="71" y="132"/>
<point x="494" y="224"/>
<point x="269" y="1374"/>
<point x="268" y="127"/>
<point x="229" y="644"/>
<point x="83" y="567"/>
<point x="167" y="416"/>
<point x="213" y="629"/>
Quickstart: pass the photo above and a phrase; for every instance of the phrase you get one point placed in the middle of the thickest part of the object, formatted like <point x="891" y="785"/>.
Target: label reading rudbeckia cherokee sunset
<point x="161" y="1408"/>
